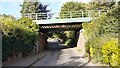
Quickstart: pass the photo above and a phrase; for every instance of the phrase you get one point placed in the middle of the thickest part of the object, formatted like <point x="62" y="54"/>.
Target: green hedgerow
<point x="19" y="36"/>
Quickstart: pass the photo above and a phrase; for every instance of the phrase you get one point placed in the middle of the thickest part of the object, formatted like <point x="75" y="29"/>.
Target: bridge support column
<point x="81" y="43"/>
<point x="41" y="43"/>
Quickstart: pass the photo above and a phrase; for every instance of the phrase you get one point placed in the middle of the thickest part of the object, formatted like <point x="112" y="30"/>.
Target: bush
<point x="110" y="52"/>
<point x="19" y="36"/>
<point x="70" y="40"/>
<point x="94" y="47"/>
<point x="67" y="42"/>
<point x="99" y="33"/>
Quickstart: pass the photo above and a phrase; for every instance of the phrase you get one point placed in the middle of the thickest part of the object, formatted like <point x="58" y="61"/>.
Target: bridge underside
<point x="76" y="26"/>
<point x="58" y="27"/>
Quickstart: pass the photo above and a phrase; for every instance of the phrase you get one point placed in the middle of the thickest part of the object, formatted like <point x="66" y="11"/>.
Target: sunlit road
<point x="56" y="56"/>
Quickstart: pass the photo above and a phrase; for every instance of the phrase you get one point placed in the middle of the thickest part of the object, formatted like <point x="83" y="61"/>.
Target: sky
<point x="12" y="7"/>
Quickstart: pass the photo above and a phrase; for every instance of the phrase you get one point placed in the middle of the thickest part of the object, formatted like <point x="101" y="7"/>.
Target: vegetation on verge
<point x="102" y="37"/>
<point x="18" y="36"/>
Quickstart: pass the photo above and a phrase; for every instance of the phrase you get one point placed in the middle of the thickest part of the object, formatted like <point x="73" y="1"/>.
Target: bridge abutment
<point x="42" y="42"/>
<point x="81" y="43"/>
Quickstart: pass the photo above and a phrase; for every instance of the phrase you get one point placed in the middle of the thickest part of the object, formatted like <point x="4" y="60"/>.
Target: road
<point x="56" y="55"/>
<point x="60" y="55"/>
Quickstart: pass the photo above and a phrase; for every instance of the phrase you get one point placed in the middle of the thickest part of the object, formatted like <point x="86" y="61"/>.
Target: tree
<point x="100" y="5"/>
<point x="42" y="8"/>
<point x="33" y="7"/>
<point x="69" y="7"/>
<point x="29" y="7"/>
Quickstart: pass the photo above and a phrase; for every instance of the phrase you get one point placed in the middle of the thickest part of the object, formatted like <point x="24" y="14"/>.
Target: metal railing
<point x="65" y="14"/>
<point x="36" y="16"/>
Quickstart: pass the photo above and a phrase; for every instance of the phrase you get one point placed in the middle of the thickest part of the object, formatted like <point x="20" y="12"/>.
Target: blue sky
<point x="12" y="7"/>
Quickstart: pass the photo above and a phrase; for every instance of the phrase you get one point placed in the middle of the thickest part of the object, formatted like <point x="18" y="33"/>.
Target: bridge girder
<point x="60" y="27"/>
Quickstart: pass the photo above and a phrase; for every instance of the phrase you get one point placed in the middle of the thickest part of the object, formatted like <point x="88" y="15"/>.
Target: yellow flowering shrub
<point x="110" y="52"/>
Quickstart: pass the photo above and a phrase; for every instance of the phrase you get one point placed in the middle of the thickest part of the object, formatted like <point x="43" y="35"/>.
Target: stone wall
<point x="42" y="42"/>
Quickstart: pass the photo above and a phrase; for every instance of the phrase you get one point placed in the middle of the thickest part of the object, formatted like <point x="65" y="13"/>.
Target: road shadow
<point x="56" y="45"/>
<point x="74" y="61"/>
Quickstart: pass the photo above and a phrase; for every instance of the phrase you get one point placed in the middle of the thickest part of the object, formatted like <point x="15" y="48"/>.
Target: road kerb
<point x="36" y="60"/>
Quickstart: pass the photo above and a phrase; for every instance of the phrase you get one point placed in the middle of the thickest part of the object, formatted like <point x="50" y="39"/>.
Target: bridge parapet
<point x="65" y="14"/>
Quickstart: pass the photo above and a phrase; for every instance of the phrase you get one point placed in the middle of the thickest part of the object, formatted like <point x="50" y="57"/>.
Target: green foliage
<point x="71" y="6"/>
<point x="110" y="52"/>
<point x="100" y="5"/>
<point x="67" y="42"/>
<point x="70" y="38"/>
<point x="94" y="46"/>
<point x="57" y="34"/>
<point x="103" y="25"/>
<point x="19" y="36"/>
<point x="100" y="35"/>
<point x="29" y="7"/>
<point x="69" y="34"/>
<point x="33" y="7"/>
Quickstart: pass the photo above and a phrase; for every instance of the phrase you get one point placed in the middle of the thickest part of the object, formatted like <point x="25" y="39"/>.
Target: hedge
<point x="19" y="36"/>
<point x="102" y="37"/>
<point x="110" y="52"/>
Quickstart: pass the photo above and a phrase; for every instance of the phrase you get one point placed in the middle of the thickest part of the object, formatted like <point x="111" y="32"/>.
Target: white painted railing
<point x="65" y="14"/>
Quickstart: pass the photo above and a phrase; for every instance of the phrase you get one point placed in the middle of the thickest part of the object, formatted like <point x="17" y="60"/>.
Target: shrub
<point x="67" y="42"/>
<point x="98" y="33"/>
<point x="94" y="47"/>
<point x="70" y="40"/>
<point x="110" y="52"/>
<point x="19" y="36"/>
